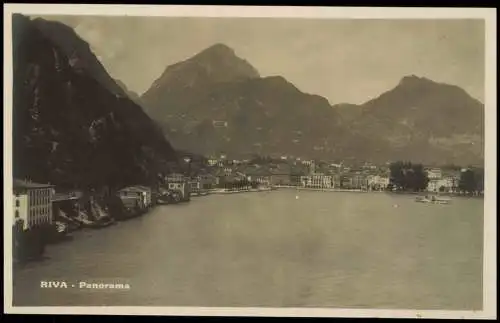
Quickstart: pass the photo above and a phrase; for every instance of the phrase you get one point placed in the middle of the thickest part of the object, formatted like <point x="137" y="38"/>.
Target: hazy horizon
<point x="343" y="60"/>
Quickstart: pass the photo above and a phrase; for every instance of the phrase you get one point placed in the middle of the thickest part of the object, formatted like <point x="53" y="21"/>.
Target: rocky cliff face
<point x="71" y="124"/>
<point x="215" y="101"/>
<point x="80" y="56"/>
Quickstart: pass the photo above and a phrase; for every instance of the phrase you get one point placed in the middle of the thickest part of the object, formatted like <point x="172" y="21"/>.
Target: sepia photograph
<point x="268" y="161"/>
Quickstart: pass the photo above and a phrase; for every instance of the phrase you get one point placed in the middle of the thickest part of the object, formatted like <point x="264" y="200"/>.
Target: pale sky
<point x="346" y="61"/>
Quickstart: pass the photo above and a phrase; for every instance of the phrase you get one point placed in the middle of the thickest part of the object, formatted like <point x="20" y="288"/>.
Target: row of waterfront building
<point x="37" y="204"/>
<point x="367" y="178"/>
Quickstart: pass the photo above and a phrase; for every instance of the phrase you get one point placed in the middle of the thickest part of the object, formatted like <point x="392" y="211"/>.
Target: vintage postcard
<point x="257" y="161"/>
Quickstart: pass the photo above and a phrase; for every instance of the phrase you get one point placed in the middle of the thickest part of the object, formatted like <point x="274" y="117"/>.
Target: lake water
<point x="270" y="249"/>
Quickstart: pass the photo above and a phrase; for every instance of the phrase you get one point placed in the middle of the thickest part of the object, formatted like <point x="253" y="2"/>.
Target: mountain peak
<point x="215" y="64"/>
<point x="220" y="56"/>
<point x="219" y="49"/>
<point x="414" y="79"/>
<point x="412" y="82"/>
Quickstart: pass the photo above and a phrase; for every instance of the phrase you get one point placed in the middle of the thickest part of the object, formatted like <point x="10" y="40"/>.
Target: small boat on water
<point x="432" y="199"/>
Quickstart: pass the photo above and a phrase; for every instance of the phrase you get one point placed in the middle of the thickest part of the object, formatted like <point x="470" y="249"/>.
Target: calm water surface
<point x="324" y="249"/>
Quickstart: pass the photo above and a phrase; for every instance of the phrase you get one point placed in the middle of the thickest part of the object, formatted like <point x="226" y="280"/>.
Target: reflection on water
<point x="324" y="249"/>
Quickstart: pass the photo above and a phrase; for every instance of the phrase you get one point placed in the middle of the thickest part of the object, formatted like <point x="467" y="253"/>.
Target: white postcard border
<point x="489" y="255"/>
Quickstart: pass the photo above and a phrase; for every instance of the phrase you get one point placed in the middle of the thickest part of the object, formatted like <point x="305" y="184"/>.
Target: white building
<point x="212" y="161"/>
<point x="445" y="184"/>
<point x="32" y="203"/>
<point x="317" y="181"/>
<point x="180" y="183"/>
<point x="377" y="181"/>
<point x="434" y="173"/>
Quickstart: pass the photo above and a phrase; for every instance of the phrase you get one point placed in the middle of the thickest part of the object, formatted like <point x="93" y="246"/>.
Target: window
<point x="16" y="214"/>
<point x="17" y="203"/>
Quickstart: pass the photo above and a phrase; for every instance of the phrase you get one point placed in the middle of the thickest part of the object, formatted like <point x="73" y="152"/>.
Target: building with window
<point x="446" y="184"/>
<point x="359" y="182"/>
<point x="317" y="181"/>
<point x="337" y="180"/>
<point x="32" y="203"/>
<point x="346" y="181"/>
<point x="139" y="192"/>
<point x="377" y="182"/>
<point x="179" y="182"/>
<point x="175" y="177"/>
<point x="212" y="161"/>
<point x="257" y="175"/>
<point x="195" y="184"/>
<point x="434" y="173"/>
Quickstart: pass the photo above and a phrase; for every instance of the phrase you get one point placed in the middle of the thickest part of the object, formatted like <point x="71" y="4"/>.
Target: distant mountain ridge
<point x="418" y="120"/>
<point x="72" y="124"/>
<point x="425" y="120"/>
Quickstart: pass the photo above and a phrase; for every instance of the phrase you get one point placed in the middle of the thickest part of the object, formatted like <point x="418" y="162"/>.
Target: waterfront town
<point x="44" y="213"/>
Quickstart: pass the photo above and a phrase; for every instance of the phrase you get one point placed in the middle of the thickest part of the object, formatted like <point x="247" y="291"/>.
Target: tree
<point x="479" y="176"/>
<point x="397" y="177"/>
<point x="420" y="178"/>
<point x="407" y="176"/>
<point x="468" y="182"/>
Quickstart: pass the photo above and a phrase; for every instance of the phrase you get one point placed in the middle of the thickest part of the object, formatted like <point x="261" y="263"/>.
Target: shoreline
<point x="226" y="191"/>
<point x="376" y="191"/>
<point x="332" y="190"/>
<point x="67" y="236"/>
<point x="298" y="188"/>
